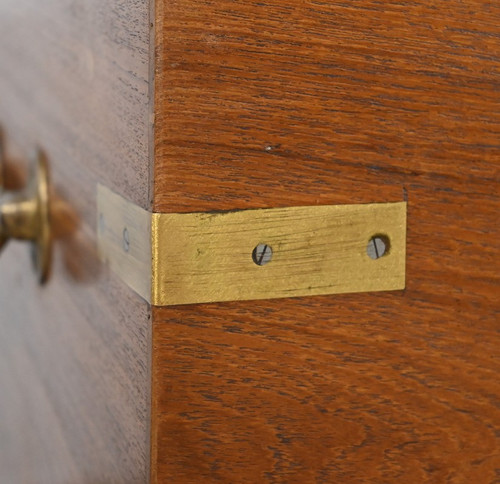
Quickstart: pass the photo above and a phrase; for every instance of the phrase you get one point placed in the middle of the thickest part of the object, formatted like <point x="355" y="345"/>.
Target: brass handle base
<point x="25" y="215"/>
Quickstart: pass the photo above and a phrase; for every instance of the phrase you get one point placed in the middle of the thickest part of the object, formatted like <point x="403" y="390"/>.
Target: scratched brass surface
<point x="207" y="257"/>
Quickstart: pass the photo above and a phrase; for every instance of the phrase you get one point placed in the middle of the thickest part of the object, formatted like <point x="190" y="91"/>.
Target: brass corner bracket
<point x="186" y="258"/>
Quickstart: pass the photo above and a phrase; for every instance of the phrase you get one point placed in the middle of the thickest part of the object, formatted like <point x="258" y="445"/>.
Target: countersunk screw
<point x="126" y="240"/>
<point x="378" y="246"/>
<point x="262" y="254"/>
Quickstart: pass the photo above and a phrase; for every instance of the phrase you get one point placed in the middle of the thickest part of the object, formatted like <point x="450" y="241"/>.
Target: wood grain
<point x="284" y="103"/>
<point x="74" y="356"/>
<point x="264" y="104"/>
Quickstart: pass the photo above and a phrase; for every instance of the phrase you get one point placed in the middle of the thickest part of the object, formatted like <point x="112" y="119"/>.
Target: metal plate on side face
<point x="207" y="257"/>
<point x="124" y="240"/>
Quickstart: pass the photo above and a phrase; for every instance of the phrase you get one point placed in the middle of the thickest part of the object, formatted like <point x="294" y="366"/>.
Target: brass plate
<point x="124" y="240"/>
<point x="207" y="257"/>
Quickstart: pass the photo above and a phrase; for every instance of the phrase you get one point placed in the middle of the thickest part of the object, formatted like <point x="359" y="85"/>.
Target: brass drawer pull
<point x="24" y="214"/>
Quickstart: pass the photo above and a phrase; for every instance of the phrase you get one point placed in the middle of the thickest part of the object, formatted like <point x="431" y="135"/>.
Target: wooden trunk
<point x="185" y="106"/>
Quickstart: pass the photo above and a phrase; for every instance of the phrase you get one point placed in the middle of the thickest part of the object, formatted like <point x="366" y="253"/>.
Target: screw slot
<point x="262" y="254"/>
<point x="378" y="246"/>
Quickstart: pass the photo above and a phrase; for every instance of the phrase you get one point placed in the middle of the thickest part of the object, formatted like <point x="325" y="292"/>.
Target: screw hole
<point x="378" y="246"/>
<point x="262" y="254"/>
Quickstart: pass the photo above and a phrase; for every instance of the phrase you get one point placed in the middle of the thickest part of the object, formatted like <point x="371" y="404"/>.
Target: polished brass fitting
<point x="25" y="214"/>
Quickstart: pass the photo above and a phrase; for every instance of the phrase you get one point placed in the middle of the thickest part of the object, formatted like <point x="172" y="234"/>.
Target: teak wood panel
<point x="74" y="355"/>
<point x="285" y="103"/>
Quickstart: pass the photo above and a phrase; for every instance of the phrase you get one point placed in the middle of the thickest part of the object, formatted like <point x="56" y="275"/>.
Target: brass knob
<point x="25" y="214"/>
